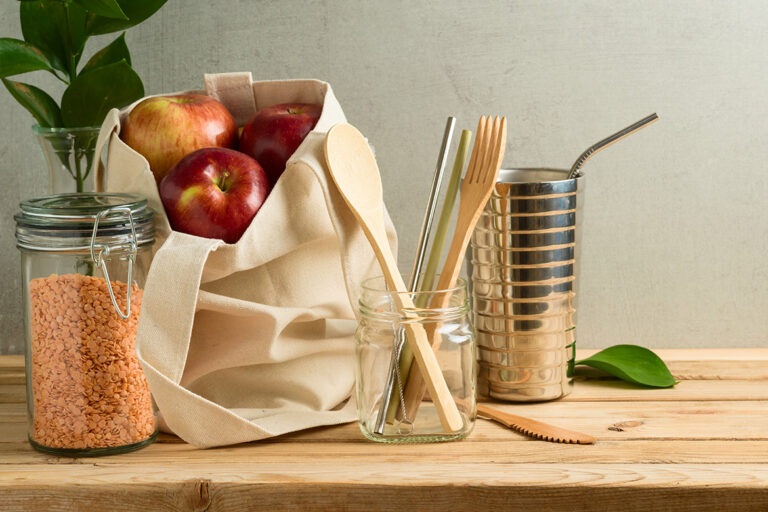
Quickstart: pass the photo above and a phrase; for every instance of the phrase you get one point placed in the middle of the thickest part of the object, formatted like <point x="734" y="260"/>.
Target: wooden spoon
<point x="354" y="170"/>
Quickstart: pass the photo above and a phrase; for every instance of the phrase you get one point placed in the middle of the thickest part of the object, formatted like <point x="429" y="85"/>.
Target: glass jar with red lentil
<point x="84" y="261"/>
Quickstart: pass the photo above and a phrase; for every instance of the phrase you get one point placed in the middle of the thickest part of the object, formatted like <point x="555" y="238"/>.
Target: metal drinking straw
<point x="586" y="155"/>
<point x="426" y="228"/>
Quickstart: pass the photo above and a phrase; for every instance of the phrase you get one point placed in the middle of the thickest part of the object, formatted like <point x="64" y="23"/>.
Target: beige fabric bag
<point x="252" y="340"/>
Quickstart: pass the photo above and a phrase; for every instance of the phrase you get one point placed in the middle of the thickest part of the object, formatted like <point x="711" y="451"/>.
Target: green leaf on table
<point x="116" y="51"/>
<point x="17" y="56"/>
<point x="42" y="107"/>
<point x="106" y="8"/>
<point x="632" y="363"/>
<point x="57" y="29"/>
<point x="88" y="99"/>
<point x="136" y="11"/>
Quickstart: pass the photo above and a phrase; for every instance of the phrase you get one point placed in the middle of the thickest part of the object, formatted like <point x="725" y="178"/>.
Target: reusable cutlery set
<point x="354" y="170"/>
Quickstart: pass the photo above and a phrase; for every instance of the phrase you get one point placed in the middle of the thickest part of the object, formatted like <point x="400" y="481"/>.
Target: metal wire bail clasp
<point x="100" y="255"/>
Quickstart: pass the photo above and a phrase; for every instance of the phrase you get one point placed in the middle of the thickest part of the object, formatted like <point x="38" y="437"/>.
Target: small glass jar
<point x="84" y="260"/>
<point x="388" y="411"/>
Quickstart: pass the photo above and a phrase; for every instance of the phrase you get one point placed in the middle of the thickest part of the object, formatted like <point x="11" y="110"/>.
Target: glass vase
<point x="69" y="153"/>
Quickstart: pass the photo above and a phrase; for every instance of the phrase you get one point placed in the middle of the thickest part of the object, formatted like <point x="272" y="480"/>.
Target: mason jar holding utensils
<point x="380" y="329"/>
<point x="84" y="262"/>
<point x="416" y="322"/>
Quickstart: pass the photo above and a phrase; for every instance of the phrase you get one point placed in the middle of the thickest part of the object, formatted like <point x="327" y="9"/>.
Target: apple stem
<point x="222" y="182"/>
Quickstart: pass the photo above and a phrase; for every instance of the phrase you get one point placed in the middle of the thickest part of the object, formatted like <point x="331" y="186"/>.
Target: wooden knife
<point x="533" y="428"/>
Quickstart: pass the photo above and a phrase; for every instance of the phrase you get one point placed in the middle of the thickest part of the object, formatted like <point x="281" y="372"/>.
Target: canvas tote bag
<point x="251" y="340"/>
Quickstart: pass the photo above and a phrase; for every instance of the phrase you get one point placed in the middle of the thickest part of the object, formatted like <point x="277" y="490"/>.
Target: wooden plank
<point x="653" y="420"/>
<point x="605" y="420"/>
<point x="690" y="390"/>
<point x="12" y="376"/>
<point x="702" y="444"/>
<point x="12" y="412"/>
<point x="682" y="370"/>
<point x="385" y="486"/>
<point x="719" y="370"/>
<point x="13" y="394"/>
<point x="674" y="354"/>
<point x="595" y="390"/>
<point x="699" y="354"/>
<point x="667" y="354"/>
<point x="12" y="361"/>
<point x="13" y="432"/>
<point x="735" y="368"/>
<point x="591" y="389"/>
<point x="489" y="450"/>
<point x="705" y="364"/>
<point x="697" y="370"/>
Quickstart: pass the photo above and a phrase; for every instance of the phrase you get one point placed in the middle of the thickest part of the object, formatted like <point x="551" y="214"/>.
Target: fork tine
<point x="475" y="150"/>
<point x="502" y="145"/>
<point x="491" y="172"/>
<point x="482" y="150"/>
<point x="493" y="130"/>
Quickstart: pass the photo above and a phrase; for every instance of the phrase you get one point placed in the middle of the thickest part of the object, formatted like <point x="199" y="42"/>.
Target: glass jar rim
<point x="367" y="285"/>
<point x="79" y="207"/>
<point x="68" y="221"/>
<point x="46" y="130"/>
<point x="422" y="311"/>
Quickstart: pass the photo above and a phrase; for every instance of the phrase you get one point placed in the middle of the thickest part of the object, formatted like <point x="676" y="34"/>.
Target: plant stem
<point x="79" y="173"/>
<point x="62" y="79"/>
<point x="73" y="70"/>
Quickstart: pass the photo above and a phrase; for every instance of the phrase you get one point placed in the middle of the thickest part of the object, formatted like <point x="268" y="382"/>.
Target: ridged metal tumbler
<point x="523" y="263"/>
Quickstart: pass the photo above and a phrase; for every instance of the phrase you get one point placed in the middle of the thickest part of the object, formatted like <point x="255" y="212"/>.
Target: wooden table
<point x="701" y="445"/>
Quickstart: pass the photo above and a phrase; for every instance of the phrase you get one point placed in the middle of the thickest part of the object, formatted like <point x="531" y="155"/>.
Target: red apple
<point x="272" y="135"/>
<point x="164" y="129"/>
<point x="214" y="193"/>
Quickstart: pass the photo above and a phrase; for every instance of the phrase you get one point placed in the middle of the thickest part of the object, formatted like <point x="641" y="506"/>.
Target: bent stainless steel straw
<point x="590" y="151"/>
<point x="426" y="228"/>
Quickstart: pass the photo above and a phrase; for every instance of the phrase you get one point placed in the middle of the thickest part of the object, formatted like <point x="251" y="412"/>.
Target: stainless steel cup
<point x="523" y="263"/>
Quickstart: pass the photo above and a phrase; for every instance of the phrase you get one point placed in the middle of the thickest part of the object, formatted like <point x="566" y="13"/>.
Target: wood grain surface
<point x="700" y="446"/>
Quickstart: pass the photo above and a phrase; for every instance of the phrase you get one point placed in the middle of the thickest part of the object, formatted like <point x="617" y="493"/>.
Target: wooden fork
<point x="476" y="190"/>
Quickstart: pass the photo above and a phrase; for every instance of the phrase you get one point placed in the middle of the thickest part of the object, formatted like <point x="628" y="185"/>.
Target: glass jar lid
<point x="75" y="221"/>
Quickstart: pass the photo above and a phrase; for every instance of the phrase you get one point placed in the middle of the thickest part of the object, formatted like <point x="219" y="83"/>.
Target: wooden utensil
<point x="482" y="173"/>
<point x="354" y="170"/>
<point x="533" y="428"/>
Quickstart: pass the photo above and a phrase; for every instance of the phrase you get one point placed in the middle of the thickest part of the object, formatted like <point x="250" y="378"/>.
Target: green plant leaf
<point x="76" y="19"/>
<point x="106" y="8"/>
<point x="116" y="51"/>
<point x="57" y="29"/>
<point x="136" y="11"/>
<point x="41" y="24"/>
<point x="88" y="99"/>
<point x="632" y="363"/>
<point x="42" y="107"/>
<point x="17" y="56"/>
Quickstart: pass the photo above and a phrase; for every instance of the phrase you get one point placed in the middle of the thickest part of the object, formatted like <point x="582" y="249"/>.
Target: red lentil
<point x="88" y="388"/>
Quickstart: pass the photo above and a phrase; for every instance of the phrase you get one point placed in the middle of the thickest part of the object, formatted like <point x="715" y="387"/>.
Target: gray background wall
<point x="676" y="231"/>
